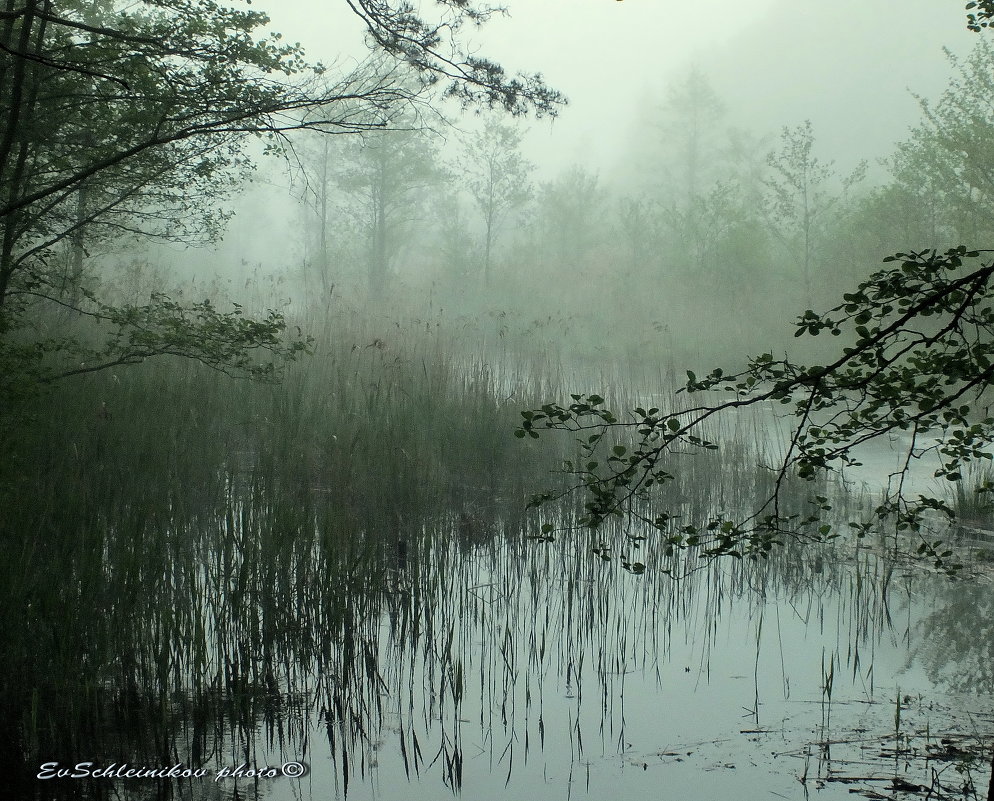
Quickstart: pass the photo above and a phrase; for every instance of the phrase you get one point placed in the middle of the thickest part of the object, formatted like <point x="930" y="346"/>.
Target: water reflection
<point x="956" y="646"/>
<point x="459" y="657"/>
<point x="377" y="612"/>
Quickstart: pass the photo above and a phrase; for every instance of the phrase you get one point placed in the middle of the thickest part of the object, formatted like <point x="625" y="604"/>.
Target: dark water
<point x="381" y="617"/>
<point x="469" y="660"/>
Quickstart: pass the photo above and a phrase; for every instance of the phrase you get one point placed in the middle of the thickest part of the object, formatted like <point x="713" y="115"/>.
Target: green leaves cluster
<point x="123" y="123"/>
<point x="427" y="46"/>
<point x="226" y="341"/>
<point x="981" y="14"/>
<point x="917" y="357"/>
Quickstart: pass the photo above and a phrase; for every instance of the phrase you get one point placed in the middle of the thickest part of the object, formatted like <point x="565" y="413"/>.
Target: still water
<point x="257" y="627"/>
<point x="483" y="665"/>
<point x="564" y="679"/>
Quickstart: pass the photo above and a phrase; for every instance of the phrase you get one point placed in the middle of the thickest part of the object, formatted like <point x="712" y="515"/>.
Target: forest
<point x="361" y="438"/>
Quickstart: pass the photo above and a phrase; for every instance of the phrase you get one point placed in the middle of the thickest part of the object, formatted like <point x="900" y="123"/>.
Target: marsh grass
<point x="203" y="570"/>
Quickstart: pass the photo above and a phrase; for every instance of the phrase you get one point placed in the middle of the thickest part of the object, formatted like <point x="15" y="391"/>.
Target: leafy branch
<point x="920" y="358"/>
<point x="228" y="342"/>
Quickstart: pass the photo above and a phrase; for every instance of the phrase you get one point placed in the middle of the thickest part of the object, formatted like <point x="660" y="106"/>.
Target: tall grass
<point x="200" y="569"/>
<point x="167" y="529"/>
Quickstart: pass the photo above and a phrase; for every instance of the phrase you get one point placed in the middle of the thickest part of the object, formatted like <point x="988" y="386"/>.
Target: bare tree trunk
<point x="323" y="229"/>
<point x="16" y="89"/>
<point x="22" y="98"/>
<point x="807" y="245"/>
<point x="990" y="787"/>
<point x="7" y="38"/>
<point x="78" y="248"/>
<point x="487" y="248"/>
<point x="378" y="257"/>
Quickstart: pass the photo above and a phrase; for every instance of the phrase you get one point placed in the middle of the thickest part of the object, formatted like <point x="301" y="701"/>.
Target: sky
<point x="850" y="65"/>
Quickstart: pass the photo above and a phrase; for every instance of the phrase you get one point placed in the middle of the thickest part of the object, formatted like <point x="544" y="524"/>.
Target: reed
<point x="201" y="569"/>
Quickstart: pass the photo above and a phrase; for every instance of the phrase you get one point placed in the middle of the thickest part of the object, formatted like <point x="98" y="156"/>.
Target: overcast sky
<point x="847" y="65"/>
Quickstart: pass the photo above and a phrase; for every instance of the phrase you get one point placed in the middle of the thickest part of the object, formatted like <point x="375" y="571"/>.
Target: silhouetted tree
<point x="802" y="192"/>
<point x="131" y="122"/>
<point x="689" y="120"/>
<point x="497" y="177"/>
<point x="388" y="173"/>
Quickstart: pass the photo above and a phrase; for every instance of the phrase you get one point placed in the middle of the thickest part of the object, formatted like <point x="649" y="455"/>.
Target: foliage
<point x="388" y="173"/>
<point x="690" y="118"/>
<point x="916" y="360"/>
<point x="124" y="123"/>
<point x="225" y="341"/>
<point x="467" y="77"/>
<point x="982" y="18"/>
<point x="945" y="162"/>
<point x="569" y="209"/>
<point x="800" y="195"/>
<point x="919" y="358"/>
<point x="497" y="176"/>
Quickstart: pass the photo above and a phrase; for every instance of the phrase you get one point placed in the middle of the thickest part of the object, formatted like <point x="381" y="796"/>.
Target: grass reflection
<point x="337" y="570"/>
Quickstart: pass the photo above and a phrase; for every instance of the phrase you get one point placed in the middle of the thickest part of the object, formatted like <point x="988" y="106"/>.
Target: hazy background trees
<point x="389" y="175"/>
<point x="802" y="192"/>
<point x="452" y="271"/>
<point x="707" y="232"/>
<point x="705" y="215"/>
<point x="498" y="180"/>
<point x="123" y="127"/>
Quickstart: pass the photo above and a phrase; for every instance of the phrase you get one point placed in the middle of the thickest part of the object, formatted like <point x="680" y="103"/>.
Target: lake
<point x="277" y="605"/>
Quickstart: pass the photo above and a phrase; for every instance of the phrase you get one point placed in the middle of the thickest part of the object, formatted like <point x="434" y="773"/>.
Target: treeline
<point x="705" y="240"/>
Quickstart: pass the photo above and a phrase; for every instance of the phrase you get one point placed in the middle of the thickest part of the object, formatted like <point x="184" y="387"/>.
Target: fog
<point x="418" y="451"/>
<point x="855" y="70"/>
<point x="850" y="66"/>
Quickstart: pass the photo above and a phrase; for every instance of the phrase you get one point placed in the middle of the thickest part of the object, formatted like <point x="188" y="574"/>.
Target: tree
<point x="690" y="117"/>
<point x="703" y="225"/>
<point x="747" y="157"/>
<point x="123" y="123"/>
<point x="700" y="205"/>
<point x="388" y="173"/>
<point x="946" y="163"/>
<point x="920" y="359"/>
<point x="496" y="175"/>
<point x="454" y="243"/>
<point x="570" y="214"/>
<point x="639" y="224"/>
<point x="801" y="194"/>
<point x="317" y="165"/>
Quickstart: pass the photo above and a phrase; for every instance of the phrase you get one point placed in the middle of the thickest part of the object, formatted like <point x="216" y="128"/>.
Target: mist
<point x="620" y="66"/>
<point x="589" y="400"/>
